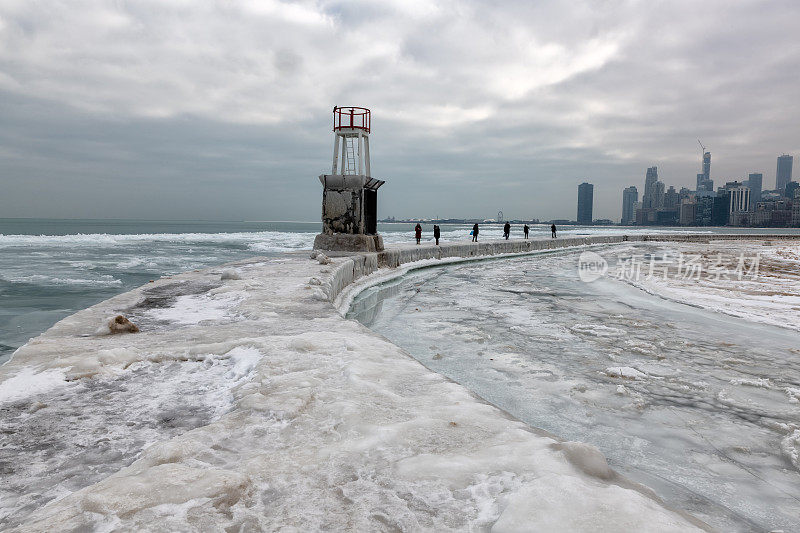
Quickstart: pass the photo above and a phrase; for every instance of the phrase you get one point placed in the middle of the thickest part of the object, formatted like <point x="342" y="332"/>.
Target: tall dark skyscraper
<point x="755" y="182"/>
<point x="585" y="201"/>
<point x="783" y="174"/>
<point x="629" y="198"/>
<point x="648" y="197"/>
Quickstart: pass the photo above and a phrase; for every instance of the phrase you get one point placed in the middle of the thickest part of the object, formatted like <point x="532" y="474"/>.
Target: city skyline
<point x="734" y="202"/>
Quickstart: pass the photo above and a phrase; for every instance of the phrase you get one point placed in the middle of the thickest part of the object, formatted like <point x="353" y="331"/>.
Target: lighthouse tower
<point x="350" y="193"/>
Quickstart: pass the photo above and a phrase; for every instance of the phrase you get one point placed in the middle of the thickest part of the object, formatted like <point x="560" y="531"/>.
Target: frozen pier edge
<point x="248" y="403"/>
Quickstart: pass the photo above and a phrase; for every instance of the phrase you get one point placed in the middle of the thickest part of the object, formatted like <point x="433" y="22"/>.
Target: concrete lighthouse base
<point x="347" y="242"/>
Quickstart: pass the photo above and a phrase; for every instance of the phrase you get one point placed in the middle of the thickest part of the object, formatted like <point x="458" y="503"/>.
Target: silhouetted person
<point x="436" y="233"/>
<point x="553" y="230"/>
<point x="475" y="233"/>
<point x="507" y="230"/>
<point x="418" y="232"/>
<point x="525" y="229"/>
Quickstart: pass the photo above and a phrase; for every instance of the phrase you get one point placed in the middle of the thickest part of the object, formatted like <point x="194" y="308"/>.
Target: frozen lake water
<point x="700" y="406"/>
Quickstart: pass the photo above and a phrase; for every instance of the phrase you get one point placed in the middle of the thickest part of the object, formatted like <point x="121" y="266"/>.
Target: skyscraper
<point x="704" y="182"/>
<point x="585" y="201"/>
<point x="755" y="182"/>
<point x="650" y="180"/>
<point x="783" y="174"/>
<point x="629" y="198"/>
<point x="658" y="194"/>
<point x="671" y="198"/>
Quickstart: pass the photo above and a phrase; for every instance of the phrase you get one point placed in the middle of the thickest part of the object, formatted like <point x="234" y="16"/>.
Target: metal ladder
<point x="350" y="156"/>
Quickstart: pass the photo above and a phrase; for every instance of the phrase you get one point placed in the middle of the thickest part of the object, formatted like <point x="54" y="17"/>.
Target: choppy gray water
<point x="528" y="336"/>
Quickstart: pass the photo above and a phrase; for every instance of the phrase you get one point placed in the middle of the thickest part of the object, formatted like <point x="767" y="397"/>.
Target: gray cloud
<point x="222" y="110"/>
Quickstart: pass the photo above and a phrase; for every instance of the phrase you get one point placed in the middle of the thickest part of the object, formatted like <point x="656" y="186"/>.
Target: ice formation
<point x="250" y="404"/>
<point x="693" y="402"/>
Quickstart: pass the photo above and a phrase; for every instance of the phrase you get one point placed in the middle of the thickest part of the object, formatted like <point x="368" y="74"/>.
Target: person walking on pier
<point x="418" y="232"/>
<point x="525" y="229"/>
<point x="553" y="230"/>
<point x="475" y="233"/>
<point x="436" y="233"/>
<point x="507" y="230"/>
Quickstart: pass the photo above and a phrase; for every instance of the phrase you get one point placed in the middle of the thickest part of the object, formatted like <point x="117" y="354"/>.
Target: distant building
<point x="720" y="211"/>
<point x="658" y="194"/>
<point x="649" y="187"/>
<point x="657" y="216"/>
<point x="630" y="196"/>
<point x="645" y="216"/>
<point x="688" y="214"/>
<point x="671" y="198"/>
<point x="705" y="176"/>
<point x="777" y="213"/>
<point x="704" y="210"/>
<point x="790" y="189"/>
<point x="740" y="199"/>
<point x="783" y="174"/>
<point x="585" y="202"/>
<point x="667" y="216"/>
<point x="755" y="182"/>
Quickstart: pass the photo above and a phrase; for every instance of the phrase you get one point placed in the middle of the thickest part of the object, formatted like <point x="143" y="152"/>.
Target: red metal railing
<point x="356" y="118"/>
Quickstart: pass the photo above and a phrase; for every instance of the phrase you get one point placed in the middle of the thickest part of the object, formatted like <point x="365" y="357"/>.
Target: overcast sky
<point x="222" y="110"/>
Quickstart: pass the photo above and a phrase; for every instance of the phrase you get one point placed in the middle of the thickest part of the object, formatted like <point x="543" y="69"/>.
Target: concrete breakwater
<point x="355" y="266"/>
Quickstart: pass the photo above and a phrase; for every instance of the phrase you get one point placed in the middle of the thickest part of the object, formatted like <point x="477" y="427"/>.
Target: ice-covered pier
<point x="247" y="402"/>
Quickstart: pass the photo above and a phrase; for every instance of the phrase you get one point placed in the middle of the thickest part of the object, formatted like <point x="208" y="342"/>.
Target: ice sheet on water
<point x="683" y="378"/>
<point x="765" y="289"/>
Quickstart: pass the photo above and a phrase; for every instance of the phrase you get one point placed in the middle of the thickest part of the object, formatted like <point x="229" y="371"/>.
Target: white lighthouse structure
<point x="350" y="193"/>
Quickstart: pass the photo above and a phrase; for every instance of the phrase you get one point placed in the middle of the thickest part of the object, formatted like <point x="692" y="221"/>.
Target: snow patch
<point x="29" y="382"/>
<point x="244" y="361"/>
<point x="194" y="309"/>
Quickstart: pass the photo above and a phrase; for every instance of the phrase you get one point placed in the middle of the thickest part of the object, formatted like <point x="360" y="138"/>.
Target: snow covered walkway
<point x="248" y="403"/>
